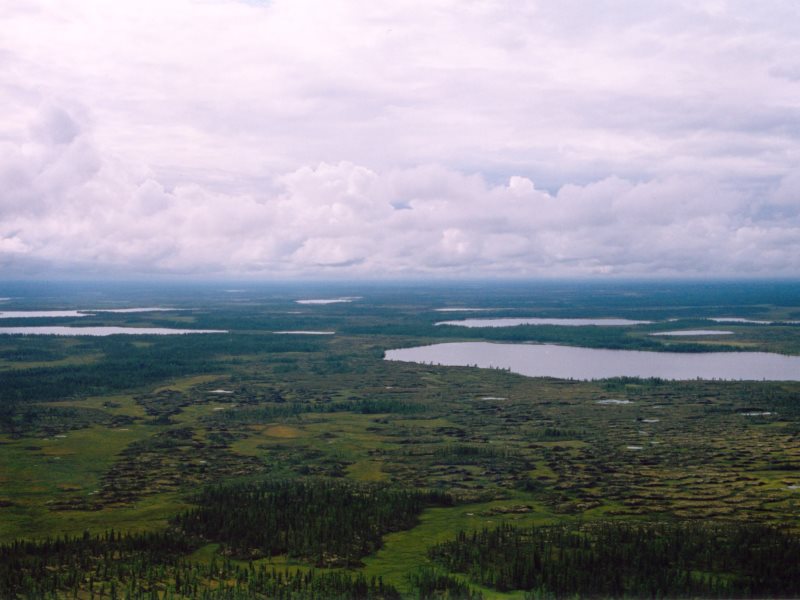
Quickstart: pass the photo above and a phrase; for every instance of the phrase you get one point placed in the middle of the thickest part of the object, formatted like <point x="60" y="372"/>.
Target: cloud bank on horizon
<point x="404" y="138"/>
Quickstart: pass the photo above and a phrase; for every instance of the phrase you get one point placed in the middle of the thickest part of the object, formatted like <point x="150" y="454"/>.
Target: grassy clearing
<point x="258" y="437"/>
<point x="35" y="467"/>
<point x="69" y="361"/>
<point x="186" y="384"/>
<point x="367" y="470"/>
<point x="119" y="404"/>
<point x="283" y="432"/>
<point x="404" y="551"/>
<point x="40" y="471"/>
<point x="150" y="514"/>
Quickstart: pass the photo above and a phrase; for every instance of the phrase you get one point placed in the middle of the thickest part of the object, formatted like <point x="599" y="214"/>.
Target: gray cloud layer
<point x="400" y="138"/>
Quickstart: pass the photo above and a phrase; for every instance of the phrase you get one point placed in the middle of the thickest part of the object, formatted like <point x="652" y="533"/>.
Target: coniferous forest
<point x="630" y="560"/>
<point x="325" y="522"/>
<point x="149" y="566"/>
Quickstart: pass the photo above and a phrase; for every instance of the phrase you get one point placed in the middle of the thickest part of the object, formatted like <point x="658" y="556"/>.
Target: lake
<point x="463" y="309"/>
<point x="39" y="314"/>
<point x="304" y="332"/>
<point x="146" y="309"/>
<point x="568" y="362"/>
<point x="741" y="320"/>
<point x="542" y="321"/>
<point x="340" y="300"/>
<point x="101" y="331"/>
<point x="691" y="332"/>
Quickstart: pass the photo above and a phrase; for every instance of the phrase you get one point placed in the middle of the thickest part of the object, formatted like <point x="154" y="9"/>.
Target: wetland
<point x="245" y="462"/>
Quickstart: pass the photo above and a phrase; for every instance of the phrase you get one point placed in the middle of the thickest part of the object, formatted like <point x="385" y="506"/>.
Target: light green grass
<point x="122" y="404"/>
<point x="405" y="551"/>
<point x="69" y="361"/>
<point x="34" y="471"/>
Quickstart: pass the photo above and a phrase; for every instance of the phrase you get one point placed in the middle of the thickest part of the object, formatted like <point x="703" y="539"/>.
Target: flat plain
<point x="150" y="435"/>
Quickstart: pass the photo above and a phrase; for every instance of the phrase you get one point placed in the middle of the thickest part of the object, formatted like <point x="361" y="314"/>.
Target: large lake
<point x="567" y="362"/>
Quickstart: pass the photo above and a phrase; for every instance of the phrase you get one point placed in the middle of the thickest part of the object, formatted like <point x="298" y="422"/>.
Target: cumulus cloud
<point x="408" y="138"/>
<point x="348" y="219"/>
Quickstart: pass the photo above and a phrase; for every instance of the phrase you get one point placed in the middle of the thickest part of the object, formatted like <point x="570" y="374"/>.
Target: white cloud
<point x="404" y="138"/>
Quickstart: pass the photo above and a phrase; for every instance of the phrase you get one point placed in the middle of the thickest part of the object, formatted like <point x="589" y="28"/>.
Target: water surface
<point x="36" y="314"/>
<point x="613" y="401"/>
<point x="738" y="320"/>
<point x="741" y="320"/>
<point x="567" y="362"/>
<point x="542" y="321"/>
<point x="298" y="332"/>
<point x="102" y="331"/>
<point x="133" y="310"/>
<point x="328" y="300"/>
<point x="691" y="332"/>
<point x="39" y="314"/>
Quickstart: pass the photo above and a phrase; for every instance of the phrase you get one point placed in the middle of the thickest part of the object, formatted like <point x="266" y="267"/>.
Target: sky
<point x="395" y="139"/>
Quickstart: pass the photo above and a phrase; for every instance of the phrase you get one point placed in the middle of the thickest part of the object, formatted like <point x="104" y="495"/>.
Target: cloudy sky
<point x="400" y="138"/>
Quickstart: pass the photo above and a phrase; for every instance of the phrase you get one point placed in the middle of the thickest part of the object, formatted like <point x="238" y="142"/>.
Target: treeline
<point x="613" y="338"/>
<point x="329" y="523"/>
<point x="114" y="566"/>
<point x="283" y="410"/>
<point x="642" y="560"/>
<point x="37" y="418"/>
<point x="775" y="397"/>
<point x="126" y="366"/>
<point x="42" y="569"/>
<point x="467" y="454"/>
<point x="556" y="433"/>
<point x="430" y="582"/>
<point x="29" y="349"/>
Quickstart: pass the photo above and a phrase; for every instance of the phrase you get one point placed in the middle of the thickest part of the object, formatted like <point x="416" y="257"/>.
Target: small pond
<point x="692" y="332"/>
<point x="542" y="321"/>
<point x="101" y="331"/>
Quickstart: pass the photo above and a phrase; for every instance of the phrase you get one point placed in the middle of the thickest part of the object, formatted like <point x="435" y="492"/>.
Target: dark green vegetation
<point x="674" y="559"/>
<point x="149" y="566"/>
<point x="327" y="523"/>
<point x="253" y="464"/>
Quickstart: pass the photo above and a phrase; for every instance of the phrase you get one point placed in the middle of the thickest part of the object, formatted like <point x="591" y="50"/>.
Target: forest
<point x="638" y="560"/>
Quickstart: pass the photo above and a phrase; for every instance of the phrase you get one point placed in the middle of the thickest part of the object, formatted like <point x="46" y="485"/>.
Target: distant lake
<point x="738" y="320"/>
<point x="741" y="320"/>
<point x="567" y="362"/>
<point x="690" y="332"/>
<point x="133" y="310"/>
<point x="101" y="331"/>
<point x="462" y="309"/>
<point x="329" y="300"/>
<point x="542" y="321"/>
<point x="40" y="314"/>
<point x="304" y="332"/>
